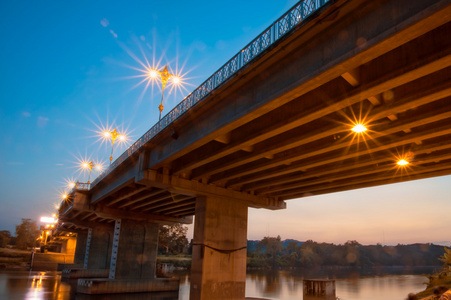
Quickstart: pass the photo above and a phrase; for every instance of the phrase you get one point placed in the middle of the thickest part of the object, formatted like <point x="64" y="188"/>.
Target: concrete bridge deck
<point x="281" y="128"/>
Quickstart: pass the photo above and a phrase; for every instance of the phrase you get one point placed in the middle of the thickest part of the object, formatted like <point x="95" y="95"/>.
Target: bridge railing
<point x="268" y="37"/>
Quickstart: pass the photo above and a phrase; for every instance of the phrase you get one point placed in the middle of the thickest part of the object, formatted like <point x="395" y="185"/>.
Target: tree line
<point x="271" y="253"/>
<point x="26" y="235"/>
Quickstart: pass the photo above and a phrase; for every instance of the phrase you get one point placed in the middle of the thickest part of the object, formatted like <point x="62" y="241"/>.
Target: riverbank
<point x="434" y="281"/>
<point x="14" y="259"/>
<point x="181" y="262"/>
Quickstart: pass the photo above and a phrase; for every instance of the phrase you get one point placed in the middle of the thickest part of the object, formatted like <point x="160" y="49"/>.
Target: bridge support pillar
<point x="80" y="247"/>
<point x="133" y="263"/>
<point x="134" y="253"/>
<point x="219" y="249"/>
<point x="98" y="248"/>
<point x="92" y="253"/>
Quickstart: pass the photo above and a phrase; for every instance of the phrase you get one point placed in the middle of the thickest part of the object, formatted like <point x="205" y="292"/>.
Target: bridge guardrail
<point x="268" y="37"/>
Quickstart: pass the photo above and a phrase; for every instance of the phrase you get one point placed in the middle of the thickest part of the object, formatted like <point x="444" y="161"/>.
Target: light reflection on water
<point x="284" y="285"/>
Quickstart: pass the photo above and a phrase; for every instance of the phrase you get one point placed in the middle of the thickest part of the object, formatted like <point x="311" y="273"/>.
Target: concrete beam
<point x="282" y="183"/>
<point x="84" y="223"/>
<point x="113" y="183"/>
<point x="195" y="188"/>
<point x="140" y="198"/>
<point x="362" y="176"/>
<point x="391" y="180"/>
<point x="305" y="162"/>
<point x="134" y="190"/>
<point x="111" y="213"/>
<point x="352" y="77"/>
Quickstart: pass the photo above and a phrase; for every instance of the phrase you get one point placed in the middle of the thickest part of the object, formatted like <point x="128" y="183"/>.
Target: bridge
<point x="274" y="124"/>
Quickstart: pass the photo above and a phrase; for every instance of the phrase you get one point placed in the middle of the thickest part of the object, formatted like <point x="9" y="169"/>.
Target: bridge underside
<point x="281" y="129"/>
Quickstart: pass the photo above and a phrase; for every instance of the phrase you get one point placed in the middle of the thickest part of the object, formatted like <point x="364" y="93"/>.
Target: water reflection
<point x="48" y="285"/>
<point x="374" y="284"/>
<point x="369" y="284"/>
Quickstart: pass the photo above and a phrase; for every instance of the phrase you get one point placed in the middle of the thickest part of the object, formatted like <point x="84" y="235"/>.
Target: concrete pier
<point x="132" y="262"/>
<point x="80" y="247"/>
<point x="98" y="248"/>
<point x="319" y="289"/>
<point x="136" y="256"/>
<point x="219" y="249"/>
<point x="92" y="254"/>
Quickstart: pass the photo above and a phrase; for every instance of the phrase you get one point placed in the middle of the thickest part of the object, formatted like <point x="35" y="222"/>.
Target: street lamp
<point x="113" y="135"/>
<point x="89" y="166"/>
<point x="164" y="77"/>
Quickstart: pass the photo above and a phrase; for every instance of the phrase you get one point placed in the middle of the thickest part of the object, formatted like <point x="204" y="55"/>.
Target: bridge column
<point x="134" y="253"/>
<point x="98" y="248"/>
<point x="133" y="263"/>
<point x="219" y="249"/>
<point x="80" y="247"/>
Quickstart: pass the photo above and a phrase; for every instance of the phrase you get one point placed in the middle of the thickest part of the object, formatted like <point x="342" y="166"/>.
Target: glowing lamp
<point x="48" y="220"/>
<point x="153" y="74"/>
<point x="176" y="79"/>
<point x="359" y="128"/>
<point x="402" y="162"/>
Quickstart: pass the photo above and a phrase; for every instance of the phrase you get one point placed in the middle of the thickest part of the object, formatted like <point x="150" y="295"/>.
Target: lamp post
<point x="90" y="165"/>
<point x="114" y="135"/>
<point x="164" y="77"/>
<point x="50" y="224"/>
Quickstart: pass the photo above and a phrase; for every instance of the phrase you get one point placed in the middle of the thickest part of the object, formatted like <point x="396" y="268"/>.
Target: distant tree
<point x="291" y="247"/>
<point x="27" y="233"/>
<point x="352" y="252"/>
<point x="172" y="239"/>
<point x="272" y="247"/>
<point x="309" y="254"/>
<point x="5" y="237"/>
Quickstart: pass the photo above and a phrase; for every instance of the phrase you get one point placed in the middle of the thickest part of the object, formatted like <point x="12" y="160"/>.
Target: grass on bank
<point x="178" y="261"/>
<point x="13" y="258"/>
<point x="434" y="281"/>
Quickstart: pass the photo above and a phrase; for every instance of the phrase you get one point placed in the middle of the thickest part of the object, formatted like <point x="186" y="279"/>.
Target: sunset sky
<point x="69" y="69"/>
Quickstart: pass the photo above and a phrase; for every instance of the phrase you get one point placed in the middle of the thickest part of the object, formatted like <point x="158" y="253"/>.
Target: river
<point x="374" y="284"/>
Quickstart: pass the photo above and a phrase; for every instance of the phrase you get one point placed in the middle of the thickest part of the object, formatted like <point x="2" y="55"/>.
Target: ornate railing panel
<point x="273" y="33"/>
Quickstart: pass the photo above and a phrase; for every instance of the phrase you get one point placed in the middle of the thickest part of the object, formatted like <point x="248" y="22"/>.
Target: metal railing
<point x="268" y="37"/>
<point x="81" y="186"/>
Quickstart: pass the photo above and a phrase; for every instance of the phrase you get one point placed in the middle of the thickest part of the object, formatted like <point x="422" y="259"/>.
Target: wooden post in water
<point x="319" y="289"/>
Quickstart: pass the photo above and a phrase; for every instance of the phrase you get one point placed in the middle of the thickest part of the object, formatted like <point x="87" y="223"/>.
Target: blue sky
<point x="68" y="68"/>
